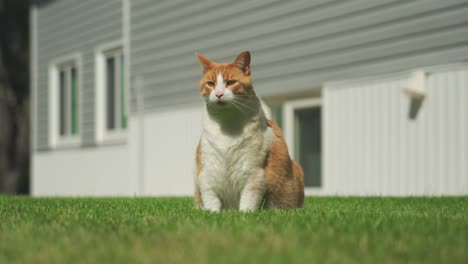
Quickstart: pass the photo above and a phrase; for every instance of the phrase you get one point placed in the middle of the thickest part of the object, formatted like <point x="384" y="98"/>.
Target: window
<point x="303" y="130"/>
<point x="68" y="121"/>
<point x="307" y="144"/>
<point x="64" y="104"/>
<point x="111" y="110"/>
<point x="116" y="117"/>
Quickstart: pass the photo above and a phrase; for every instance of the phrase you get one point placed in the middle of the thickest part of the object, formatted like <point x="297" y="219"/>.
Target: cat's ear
<point x="205" y="62"/>
<point x="243" y="62"/>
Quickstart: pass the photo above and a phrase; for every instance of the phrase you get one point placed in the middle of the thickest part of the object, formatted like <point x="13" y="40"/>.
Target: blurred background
<point x="14" y="97"/>
<point x="371" y="95"/>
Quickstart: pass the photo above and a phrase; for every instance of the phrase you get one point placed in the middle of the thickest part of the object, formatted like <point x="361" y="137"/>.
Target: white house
<point x="372" y="95"/>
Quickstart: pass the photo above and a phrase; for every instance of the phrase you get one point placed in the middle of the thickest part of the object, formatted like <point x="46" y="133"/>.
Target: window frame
<point x="56" y="140"/>
<point x="103" y="134"/>
<point x="288" y="123"/>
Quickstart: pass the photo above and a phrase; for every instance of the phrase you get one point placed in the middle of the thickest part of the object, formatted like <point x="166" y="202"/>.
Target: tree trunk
<point x="14" y="97"/>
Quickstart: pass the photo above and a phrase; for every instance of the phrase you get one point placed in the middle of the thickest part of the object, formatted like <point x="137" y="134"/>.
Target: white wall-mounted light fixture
<point x="416" y="86"/>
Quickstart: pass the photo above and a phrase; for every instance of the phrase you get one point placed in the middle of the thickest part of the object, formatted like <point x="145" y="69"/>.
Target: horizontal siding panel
<point x="78" y="19"/>
<point x="301" y="82"/>
<point x="282" y="86"/>
<point x="259" y="25"/>
<point x="298" y="45"/>
<point x="317" y="24"/>
<point x="324" y="60"/>
<point x="161" y="9"/>
<point x="403" y="47"/>
<point x="374" y="54"/>
<point x="85" y="39"/>
<point x="322" y="44"/>
<point x="182" y="15"/>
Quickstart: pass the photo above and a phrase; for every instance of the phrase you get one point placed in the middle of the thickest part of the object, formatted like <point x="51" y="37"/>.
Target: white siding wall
<point x="372" y="147"/>
<point x="87" y="172"/>
<point x="169" y="143"/>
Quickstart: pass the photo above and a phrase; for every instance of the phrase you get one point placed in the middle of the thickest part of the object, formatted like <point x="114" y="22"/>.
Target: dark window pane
<point x="307" y="145"/>
<point x="110" y="72"/>
<point x="123" y="113"/>
<point x="74" y="105"/>
<point x="62" y="103"/>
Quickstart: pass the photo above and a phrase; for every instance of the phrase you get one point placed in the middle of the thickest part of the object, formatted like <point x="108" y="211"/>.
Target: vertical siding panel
<point x="441" y="137"/>
<point x="386" y="121"/>
<point x="381" y="150"/>
<point x="433" y="136"/>
<point x="463" y="99"/>
<point x="352" y="124"/>
<point x="325" y="145"/>
<point x="402" y="145"/>
<point x="393" y="162"/>
<point x="435" y="139"/>
<point x="451" y="132"/>
<point x="339" y="140"/>
<point x="341" y="161"/>
<point x="344" y="146"/>
<point x="333" y="137"/>
<point x="361" y="182"/>
<point x="330" y="145"/>
<point x="328" y="149"/>
<point x="377" y="138"/>
<point x="458" y="109"/>
<point x="412" y="158"/>
<point x="423" y="142"/>
<point x="374" y="139"/>
<point x="329" y="130"/>
<point x="366" y="132"/>
<point x="372" y="127"/>
<point x="349" y="147"/>
<point x="384" y="138"/>
<point x="361" y="135"/>
<point x="421" y="149"/>
<point x="431" y="140"/>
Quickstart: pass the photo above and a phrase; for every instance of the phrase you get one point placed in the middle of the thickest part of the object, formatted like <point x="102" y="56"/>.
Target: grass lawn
<point x="168" y="230"/>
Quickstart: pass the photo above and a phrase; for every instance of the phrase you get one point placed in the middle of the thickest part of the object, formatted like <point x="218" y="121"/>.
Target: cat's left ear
<point x="205" y="62"/>
<point x="243" y="62"/>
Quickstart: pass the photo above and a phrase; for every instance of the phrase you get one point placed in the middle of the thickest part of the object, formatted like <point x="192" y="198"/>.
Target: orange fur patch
<point x="229" y="72"/>
<point x="198" y="167"/>
<point x="239" y="71"/>
<point x="284" y="177"/>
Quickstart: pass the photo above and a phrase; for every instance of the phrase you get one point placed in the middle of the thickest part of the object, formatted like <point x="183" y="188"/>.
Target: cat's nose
<point x="219" y="95"/>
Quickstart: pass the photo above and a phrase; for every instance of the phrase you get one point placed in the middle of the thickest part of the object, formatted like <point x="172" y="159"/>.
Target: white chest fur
<point x="233" y="159"/>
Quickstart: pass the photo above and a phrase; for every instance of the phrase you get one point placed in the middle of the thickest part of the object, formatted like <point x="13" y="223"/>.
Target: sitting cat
<point x="242" y="160"/>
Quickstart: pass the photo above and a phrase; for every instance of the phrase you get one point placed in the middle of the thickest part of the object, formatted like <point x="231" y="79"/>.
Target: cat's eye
<point x="210" y="84"/>
<point x="231" y="82"/>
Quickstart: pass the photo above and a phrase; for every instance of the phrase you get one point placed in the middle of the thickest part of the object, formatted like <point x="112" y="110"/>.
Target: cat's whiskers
<point x="244" y="105"/>
<point x="237" y="106"/>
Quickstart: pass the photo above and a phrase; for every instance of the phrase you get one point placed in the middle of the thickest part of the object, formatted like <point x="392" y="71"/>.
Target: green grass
<point x="168" y="230"/>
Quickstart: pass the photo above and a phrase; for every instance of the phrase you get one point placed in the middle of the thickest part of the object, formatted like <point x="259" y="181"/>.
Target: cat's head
<point x="223" y="83"/>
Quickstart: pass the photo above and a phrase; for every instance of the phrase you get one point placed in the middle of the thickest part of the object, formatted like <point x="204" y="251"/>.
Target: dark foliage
<point x="14" y="96"/>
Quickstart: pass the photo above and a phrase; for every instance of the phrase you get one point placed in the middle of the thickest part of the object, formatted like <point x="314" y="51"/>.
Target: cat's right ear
<point x="205" y="62"/>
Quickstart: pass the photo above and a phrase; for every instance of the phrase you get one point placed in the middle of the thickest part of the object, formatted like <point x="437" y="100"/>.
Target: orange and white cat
<point x="242" y="161"/>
